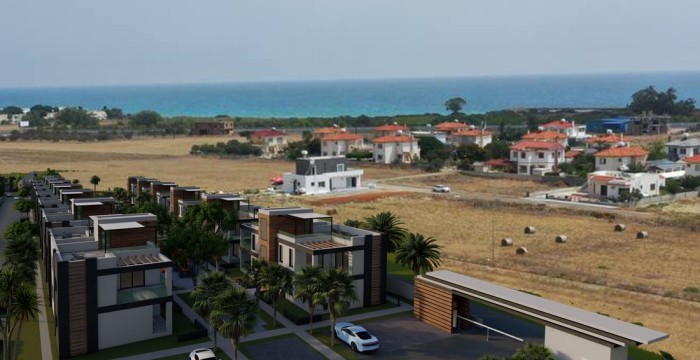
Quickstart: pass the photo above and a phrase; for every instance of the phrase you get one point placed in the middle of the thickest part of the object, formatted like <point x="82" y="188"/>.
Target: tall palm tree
<point x="253" y="275"/>
<point x="234" y="312"/>
<point x="387" y="223"/>
<point x="21" y="254"/>
<point x="419" y="253"/>
<point x="277" y="280"/>
<point x="210" y="285"/>
<point x="25" y="306"/>
<point x="306" y="285"/>
<point x="336" y="290"/>
<point x="95" y="180"/>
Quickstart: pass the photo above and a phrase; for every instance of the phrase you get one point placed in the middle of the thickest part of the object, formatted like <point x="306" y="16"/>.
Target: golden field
<point x="597" y="269"/>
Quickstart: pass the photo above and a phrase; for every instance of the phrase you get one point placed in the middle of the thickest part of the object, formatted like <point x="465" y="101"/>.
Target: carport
<point x="442" y="299"/>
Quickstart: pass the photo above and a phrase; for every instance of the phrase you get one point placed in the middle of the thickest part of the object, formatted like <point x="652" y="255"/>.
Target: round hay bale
<point x="642" y="235"/>
<point x="620" y="227"/>
<point x="560" y="239"/>
<point x="529" y="229"/>
<point x="507" y="242"/>
<point x="521" y="251"/>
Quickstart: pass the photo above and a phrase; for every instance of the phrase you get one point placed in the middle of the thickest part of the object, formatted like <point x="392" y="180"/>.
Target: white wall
<point x="566" y="346"/>
<point x="127" y="326"/>
<point x="107" y="290"/>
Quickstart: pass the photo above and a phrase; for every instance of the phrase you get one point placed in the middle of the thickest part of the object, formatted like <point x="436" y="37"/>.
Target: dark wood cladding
<point x="376" y="280"/>
<point x="104" y="209"/>
<point x="181" y="194"/>
<point x="134" y="237"/>
<point x="462" y="310"/>
<point x="77" y="308"/>
<point x="158" y="188"/>
<point x="433" y="305"/>
<point x="274" y="224"/>
<point x="225" y="204"/>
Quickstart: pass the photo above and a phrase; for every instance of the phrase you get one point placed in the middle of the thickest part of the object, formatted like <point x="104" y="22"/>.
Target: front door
<point x="603" y="190"/>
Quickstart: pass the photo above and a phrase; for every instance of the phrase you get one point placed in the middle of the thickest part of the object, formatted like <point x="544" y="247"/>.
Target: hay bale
<point x="521" y="251"/>
<point x="642" y="235"/>
<point x="507" y="242"/>
<point x="529" y="229"/>
<point x="620" y="227"/>
<point x="560" y="239"/>
<point x="332" y="211"/>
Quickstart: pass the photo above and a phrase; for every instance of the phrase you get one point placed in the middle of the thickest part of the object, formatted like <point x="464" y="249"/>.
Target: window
<point x="522" y="155"/>
<point x="313" y="183"/>
<point x="380" y="146"/>
<point x="540" y="155"/>
<point x="653" y="187"/>
<point x="279" y="254"/>
<point x="603" y="161"/>
<point x="342" y="260"/>
<point x="340" y="167"/>
<point x="334" y="153"/>
<point x="131" y="279"/>
<point x="379" y="156"/>
<point x="322" y="184"/>
<point x="325" y="153"/>
<point x="291" y="258"/>
<point x="263" y="229"/>
<point x="515" y="154"/>
<point x="619" y="160"/>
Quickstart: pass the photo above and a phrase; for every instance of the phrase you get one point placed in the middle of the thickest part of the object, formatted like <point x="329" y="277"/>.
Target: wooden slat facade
<point x="134" y="237"/>
<point x="274" y="224"/>
<point x="433" y="305"/>
<point x="77" y="310"/>
<point x="377" y="278"/>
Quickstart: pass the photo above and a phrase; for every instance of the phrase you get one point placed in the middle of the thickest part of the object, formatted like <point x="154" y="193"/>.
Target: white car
<point x="441" y="188"/>
<point x="356" y="337"/>
<point x="203" y="354"/>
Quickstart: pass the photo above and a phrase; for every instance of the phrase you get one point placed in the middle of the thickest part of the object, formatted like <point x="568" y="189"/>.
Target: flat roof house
<point x="230" y="203"/>
<point x="212" y="128"/>
<point x="320" y="175"/>
<point x="613" y="184"/>
<point x="183" y="196"/>
<point x="65" y="195"/>
<point x="160" y="192"/>
<point x="131" y="188"/>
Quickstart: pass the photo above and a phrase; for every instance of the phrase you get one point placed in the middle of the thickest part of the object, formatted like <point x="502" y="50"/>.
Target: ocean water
<point x="360" y="97"/>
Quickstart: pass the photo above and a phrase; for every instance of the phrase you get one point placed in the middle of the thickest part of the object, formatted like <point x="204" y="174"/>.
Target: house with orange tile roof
<point x="536" y="157"/>
<point x="395" y="148"/>
<point x="340" y="143"/>
<point x="481" y="137"/>
<point x="323" y="131"/>
<point x="451" y="127"/>
<point x="604" y="141"/>
<point x="692" y="165"/>
<point x="568" y="128"/>
<point x="620" y="158"/>
<point x="547" y="135"/>
<point x="272" y="141"/>
<point x="389" y="129"/>
<point x="613" y="184"/>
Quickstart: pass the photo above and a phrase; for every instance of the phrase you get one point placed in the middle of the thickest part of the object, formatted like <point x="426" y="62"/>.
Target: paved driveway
<point x="283" y="349"/>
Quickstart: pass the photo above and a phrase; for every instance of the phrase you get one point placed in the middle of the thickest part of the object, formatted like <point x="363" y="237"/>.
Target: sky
<point x="88" y="42"/>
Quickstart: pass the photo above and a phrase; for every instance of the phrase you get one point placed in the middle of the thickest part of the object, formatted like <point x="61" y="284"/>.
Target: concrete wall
<point x="668" y="198"/>
<point x="107" y="290"/>
<point x="566" y="346"/>
<point x="131" y="325"/>
<point x="399" y="287"/>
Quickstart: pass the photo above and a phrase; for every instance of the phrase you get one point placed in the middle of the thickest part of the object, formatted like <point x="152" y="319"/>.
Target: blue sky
<point x="88" y="42"/>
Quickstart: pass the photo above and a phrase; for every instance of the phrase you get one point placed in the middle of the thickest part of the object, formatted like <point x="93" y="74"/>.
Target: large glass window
<point x="132" y="279"/>
<point x="291" y="258"/>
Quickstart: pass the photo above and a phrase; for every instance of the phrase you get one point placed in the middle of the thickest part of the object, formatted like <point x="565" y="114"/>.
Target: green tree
<point x="35" y="119"/>
<point x="24" y="307"/>
<point x="387" y="223"/>
<point x="19" y="301"/>
<point x="533" y="352"/>
<point x="455" y="105"/>
<point x="113" y="113"/>
<point x="657" y="151"/>
<point x="660" y="102"/>
<point x="418" y="253"/>
<point x="235" y="314"/>
<point x="306" y="285"/>
<point x="21" y="255"/>
<point x="253" y="275"/>
<point x="145" y="119"/>
<point x="277" y="281"/>
<point x="666" y="356"/>
<point x="210" y="286"/>
<point x="95" y="180"/>
<point x="336" y="289"/>
<point x="431" y="148"/>
<point x="12" y="110"/>
<point x="75" y="118"/>
<point x="24" y="206"/>
<point x="20" y="230"/>
<point x="497" y="150"/>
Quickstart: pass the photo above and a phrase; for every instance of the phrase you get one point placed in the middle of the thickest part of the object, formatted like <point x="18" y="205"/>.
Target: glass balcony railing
<point x="246" y="242"/>
<point x="142" y="293"/>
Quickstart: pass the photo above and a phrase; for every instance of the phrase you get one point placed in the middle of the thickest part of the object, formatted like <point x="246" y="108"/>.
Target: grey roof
<point x="578" y="319"/>
<point x="692" y="142"/>
<point x="307" y="216"/>
<point x="666" y="165"/>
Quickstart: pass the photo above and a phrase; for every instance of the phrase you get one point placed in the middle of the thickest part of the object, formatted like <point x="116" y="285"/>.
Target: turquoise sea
<point x="358" y="97"/>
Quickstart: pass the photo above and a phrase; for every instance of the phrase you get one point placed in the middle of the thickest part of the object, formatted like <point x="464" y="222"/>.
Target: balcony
<point x="142" y="293"/>
<point x="246" y="242"/>
<point x="313" y="236"/>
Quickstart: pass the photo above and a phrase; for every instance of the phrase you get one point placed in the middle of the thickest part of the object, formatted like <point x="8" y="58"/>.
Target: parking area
<point x="282" y="349"/>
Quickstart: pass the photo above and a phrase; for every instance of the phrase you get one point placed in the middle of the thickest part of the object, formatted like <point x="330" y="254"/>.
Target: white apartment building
<point x="395" y="148"/>
<point x="536" y="157"/>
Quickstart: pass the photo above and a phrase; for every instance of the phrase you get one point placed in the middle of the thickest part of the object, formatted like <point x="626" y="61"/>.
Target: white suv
<point x="202" y="354"/>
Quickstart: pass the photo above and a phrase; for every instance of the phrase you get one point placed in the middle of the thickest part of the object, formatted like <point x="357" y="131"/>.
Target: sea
<point x="385" y="97"/>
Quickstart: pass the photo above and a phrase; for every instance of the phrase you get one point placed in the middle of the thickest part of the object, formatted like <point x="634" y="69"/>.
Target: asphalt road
<point x="8" y="215"/>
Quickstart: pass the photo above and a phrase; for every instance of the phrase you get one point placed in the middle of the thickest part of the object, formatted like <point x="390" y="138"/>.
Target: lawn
<point x="50" y="319"/>
<point x="261" y="314"/>
<point x="290" y="307"/>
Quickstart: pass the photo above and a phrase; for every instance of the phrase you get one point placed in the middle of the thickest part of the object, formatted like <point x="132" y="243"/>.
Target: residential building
<point x="692" y="164"/>
<point x="182" y="197"/>
<point x="666" y="168"/>
<point x="297" y="237"/>
<point x="439" y="136"/>
<point x="143" y="186"/>
<point x="612" y="184"/>
<point x="547" y="135"/>
<point x="231" y="203"/>
<point x="389" y="129"/>
<point x="320" y="175"/>
<point x="620" y="158"/>
<point x="272" y="141"/>
<point x="604" y="141"/>
<point x="321" y="132"/>
<point x="451" y="127"/>
<point x="65" y="195"/>
<point x="568" y="128"/>
<point x="481" y="137"/>
<point x="83" y="208"/>
<point x="131" y="187"/>
<point x="648" y="124"/>
<point x="160" y="192"/>
<point x="212" y="128"/>
<point x="341" y="143"/>
<point x="395" y="148"/>
<point x="683" y="148"/>
<point x="536" y="157"/>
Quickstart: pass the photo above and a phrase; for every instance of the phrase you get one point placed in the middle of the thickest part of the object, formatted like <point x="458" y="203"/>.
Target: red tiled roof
<point x="327" y="130"/>
<point x="608" y="139"/>
<point x="537" y="145"/>
<point x="341" y="137"/>
<point x="602" y="178"/>
<point x="450" y="126"/>
<point x="499" y="162"/>
<point x="559" y="124"/>
<point x="622" y="152"/>
<point x="268" y="133"/>
<point x="472" y="132"/>
<point x="692" y="159"/>
<point x="393" y="139"/>
<point x="544" y="135"/>
<point x="572" y="154"/>
<point x="391" y="127"/>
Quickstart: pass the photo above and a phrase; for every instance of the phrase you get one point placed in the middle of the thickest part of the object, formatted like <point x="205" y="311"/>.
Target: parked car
<point x="441" y="188"/>
<point x="203" y="354"/>
<point x="356" y="337"/>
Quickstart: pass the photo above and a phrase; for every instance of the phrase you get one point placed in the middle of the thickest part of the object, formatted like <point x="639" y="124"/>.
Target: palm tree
<point x="253" y="274"/>
<point x="387" y="223"/>
<point x="306" y="285"/>
<point x="21" y="254"/>
<point x="235" y="314"/>
<point x="25" y="306"/>
<point x="277" y="280"/>
<point x="533" y="352"/>
<point x="210" y="285"/>
<point x="95" y="180"/>
<point x="336" y="289"/>
<point x="666" y="356"/>
<point x="419" y="253"/>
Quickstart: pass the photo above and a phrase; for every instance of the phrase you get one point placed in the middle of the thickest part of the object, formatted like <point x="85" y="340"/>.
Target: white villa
<point x="391" y="148"/>
<point x="536" y="157"/>
<point x="611" y="184"/>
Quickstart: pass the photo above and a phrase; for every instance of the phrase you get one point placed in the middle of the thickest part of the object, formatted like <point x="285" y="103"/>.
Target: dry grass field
<point x="597" y="269"/>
